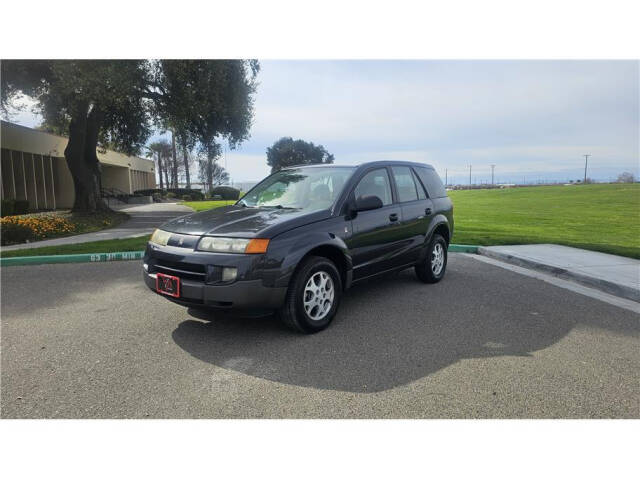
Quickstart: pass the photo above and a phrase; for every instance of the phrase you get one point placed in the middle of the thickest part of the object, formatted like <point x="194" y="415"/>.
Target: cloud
<point x="536" y="117"/>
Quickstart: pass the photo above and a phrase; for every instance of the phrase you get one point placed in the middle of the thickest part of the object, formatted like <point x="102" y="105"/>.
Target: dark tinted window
<point x="407" y="190"/>
<point x="375" y="183"/>
<point x="432" y="182"/>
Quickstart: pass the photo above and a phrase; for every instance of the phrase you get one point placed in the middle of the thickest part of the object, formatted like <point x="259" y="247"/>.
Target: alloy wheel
<point x="437" y="259"/>
<point x="318" y="295"/>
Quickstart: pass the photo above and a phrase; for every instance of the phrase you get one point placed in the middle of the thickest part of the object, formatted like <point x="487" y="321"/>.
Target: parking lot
<point x="90" y="341"/>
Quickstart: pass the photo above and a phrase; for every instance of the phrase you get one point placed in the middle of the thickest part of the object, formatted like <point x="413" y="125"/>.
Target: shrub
<point x="15" y="233"/>
<point x="226" y="192"/>
<point x="216" y="197"/>
<point x="186" y="197"/>
<point x="148" y="192"/>
<point x="171" y="195"/>
<point x="178" y="192"/>
<point x="8" y="207"/>
<point x="157" y="197"/>
<point x="21" y="207"/>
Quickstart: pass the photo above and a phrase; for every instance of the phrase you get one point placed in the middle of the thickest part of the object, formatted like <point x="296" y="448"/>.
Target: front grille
<point x="194" y="272"/>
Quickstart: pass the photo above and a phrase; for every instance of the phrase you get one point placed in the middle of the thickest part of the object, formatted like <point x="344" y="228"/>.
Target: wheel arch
<point x="325" y="245"/>
<point x="440" y="225"/>
<point x="337" y="257"/>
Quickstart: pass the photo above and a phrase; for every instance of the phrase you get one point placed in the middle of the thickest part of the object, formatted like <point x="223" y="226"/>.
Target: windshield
<point x="303" y="188"/>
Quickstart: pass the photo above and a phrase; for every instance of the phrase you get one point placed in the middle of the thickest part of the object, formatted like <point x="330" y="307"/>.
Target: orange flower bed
<point x="41" y="226"/>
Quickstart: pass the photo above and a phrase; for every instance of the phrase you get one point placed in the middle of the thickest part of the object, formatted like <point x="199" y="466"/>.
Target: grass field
<point x="597" y="217"/>
<point x="207" y="205"/>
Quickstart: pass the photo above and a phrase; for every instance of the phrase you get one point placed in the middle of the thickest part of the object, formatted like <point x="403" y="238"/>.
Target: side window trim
<point x="417" y="177"/>
<point x="394" y="187"/>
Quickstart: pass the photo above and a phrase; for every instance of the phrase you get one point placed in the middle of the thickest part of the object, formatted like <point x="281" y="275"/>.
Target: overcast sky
<point x="532" y="119"/>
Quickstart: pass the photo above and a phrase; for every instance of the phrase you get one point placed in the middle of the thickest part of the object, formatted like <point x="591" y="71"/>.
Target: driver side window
<point x="375" y="183"/>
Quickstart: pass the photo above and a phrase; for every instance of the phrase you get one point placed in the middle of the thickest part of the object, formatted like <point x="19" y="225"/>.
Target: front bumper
<point x="244" y="295"/>
<point x="253" y="289"/>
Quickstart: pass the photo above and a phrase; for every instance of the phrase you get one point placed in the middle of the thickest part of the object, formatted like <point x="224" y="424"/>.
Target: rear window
<point x="432" y="182"/>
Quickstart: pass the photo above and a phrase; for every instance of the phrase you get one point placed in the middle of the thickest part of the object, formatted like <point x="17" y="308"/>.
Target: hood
<point x="242" y="222"/>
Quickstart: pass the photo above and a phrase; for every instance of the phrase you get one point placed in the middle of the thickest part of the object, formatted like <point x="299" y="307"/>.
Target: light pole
<point x="586" y="161"/>
<point x="469" y="175"/>
<point x="492" y="167"/>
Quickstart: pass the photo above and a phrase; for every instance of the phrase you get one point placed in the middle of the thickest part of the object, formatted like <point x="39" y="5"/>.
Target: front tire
<point x="313" y="296"/>
<point x="433" y="267"/>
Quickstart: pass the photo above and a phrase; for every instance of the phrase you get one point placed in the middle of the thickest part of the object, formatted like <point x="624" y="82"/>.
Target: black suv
<point x="301" y="237"/>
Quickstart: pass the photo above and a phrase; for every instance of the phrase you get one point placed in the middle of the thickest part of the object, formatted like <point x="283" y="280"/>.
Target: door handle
<point x="393" y="216"/>
<point x="427" y="211"/>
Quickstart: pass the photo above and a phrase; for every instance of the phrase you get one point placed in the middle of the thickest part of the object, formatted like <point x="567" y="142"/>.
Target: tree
<point x="287" y="152"/>
<point x="221" y="90"/>
<point x="162" y="152"/>
<point x="626" y="177"/>
<point x="115" y="103"/>
<point x="211" y="173"/>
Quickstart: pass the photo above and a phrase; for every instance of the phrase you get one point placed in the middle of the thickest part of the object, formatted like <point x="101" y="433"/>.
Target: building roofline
<point x="9" y="124"/>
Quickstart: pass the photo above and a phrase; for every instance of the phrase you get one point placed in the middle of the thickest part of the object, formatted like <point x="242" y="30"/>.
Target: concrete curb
<point x="601" y="284"/>
<point x="133" y="255"/>
<point x="462" y="248"/>
<point x="72" y="258"/>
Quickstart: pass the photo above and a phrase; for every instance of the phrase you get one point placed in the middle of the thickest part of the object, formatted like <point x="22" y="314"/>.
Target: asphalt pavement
<point x="91" y="341"/>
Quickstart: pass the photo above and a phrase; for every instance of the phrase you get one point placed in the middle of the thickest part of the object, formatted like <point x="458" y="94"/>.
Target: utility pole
<point x="469" y="175"/>
<point x="492" y="167"/>
<point x="586" y="161"/>
<point x="446" y="182"/>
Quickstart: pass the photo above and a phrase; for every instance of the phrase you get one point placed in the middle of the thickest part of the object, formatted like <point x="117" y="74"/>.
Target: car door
<point x="417" y="210"/>
<point x="375" y="233"/>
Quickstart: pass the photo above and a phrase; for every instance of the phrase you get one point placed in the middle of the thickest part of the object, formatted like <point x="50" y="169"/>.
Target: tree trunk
<point x="210" y="163"/>
<point x="82" y="160"/>
<point x="185" y="158"/>
<point x="174" y="163"/>
<point x="166" y="173"/>
<point x="160" y="170"/>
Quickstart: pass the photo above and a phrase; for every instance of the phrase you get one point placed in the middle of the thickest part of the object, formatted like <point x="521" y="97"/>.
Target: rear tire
<point x="433" y="267"/>
<point x="313" y="296"/>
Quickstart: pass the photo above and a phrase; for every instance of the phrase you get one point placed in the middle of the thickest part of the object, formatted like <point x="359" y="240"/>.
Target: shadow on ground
<point x="395" y="330"/>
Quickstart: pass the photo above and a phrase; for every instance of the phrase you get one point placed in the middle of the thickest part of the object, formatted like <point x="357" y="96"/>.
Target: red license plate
<point x="169" y="285"/>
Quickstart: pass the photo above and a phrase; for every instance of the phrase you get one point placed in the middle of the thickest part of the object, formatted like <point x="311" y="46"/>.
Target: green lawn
<point x="597" y="217"/>
<point x="107" y="246"/>
<point x="207" y="205"/>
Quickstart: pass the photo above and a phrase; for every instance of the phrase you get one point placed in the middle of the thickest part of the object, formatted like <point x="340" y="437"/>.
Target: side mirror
<point x="366" y="203"/>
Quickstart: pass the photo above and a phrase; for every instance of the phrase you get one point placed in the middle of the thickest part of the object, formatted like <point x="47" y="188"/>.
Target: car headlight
<point x="233" y="245"/>
<point x="160" y="237"/>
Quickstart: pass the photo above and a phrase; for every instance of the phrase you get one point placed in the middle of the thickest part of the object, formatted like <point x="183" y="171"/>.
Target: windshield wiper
<point x="280" y="207"/>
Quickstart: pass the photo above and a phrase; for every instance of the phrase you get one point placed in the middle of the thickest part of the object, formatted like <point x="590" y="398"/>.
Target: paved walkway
<point x="144" y="219"/>
<point x="614" y="274"/>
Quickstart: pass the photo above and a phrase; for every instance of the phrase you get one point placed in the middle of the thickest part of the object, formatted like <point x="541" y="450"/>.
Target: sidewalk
<point x="144" y="219"/>
<point x="616" y="275"/>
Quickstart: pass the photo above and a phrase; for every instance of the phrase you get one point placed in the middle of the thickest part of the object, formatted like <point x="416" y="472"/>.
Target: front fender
<point x="288" y="249"/>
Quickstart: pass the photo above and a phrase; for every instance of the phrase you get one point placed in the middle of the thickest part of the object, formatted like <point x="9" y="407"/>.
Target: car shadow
<point x="392" y="331"/>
